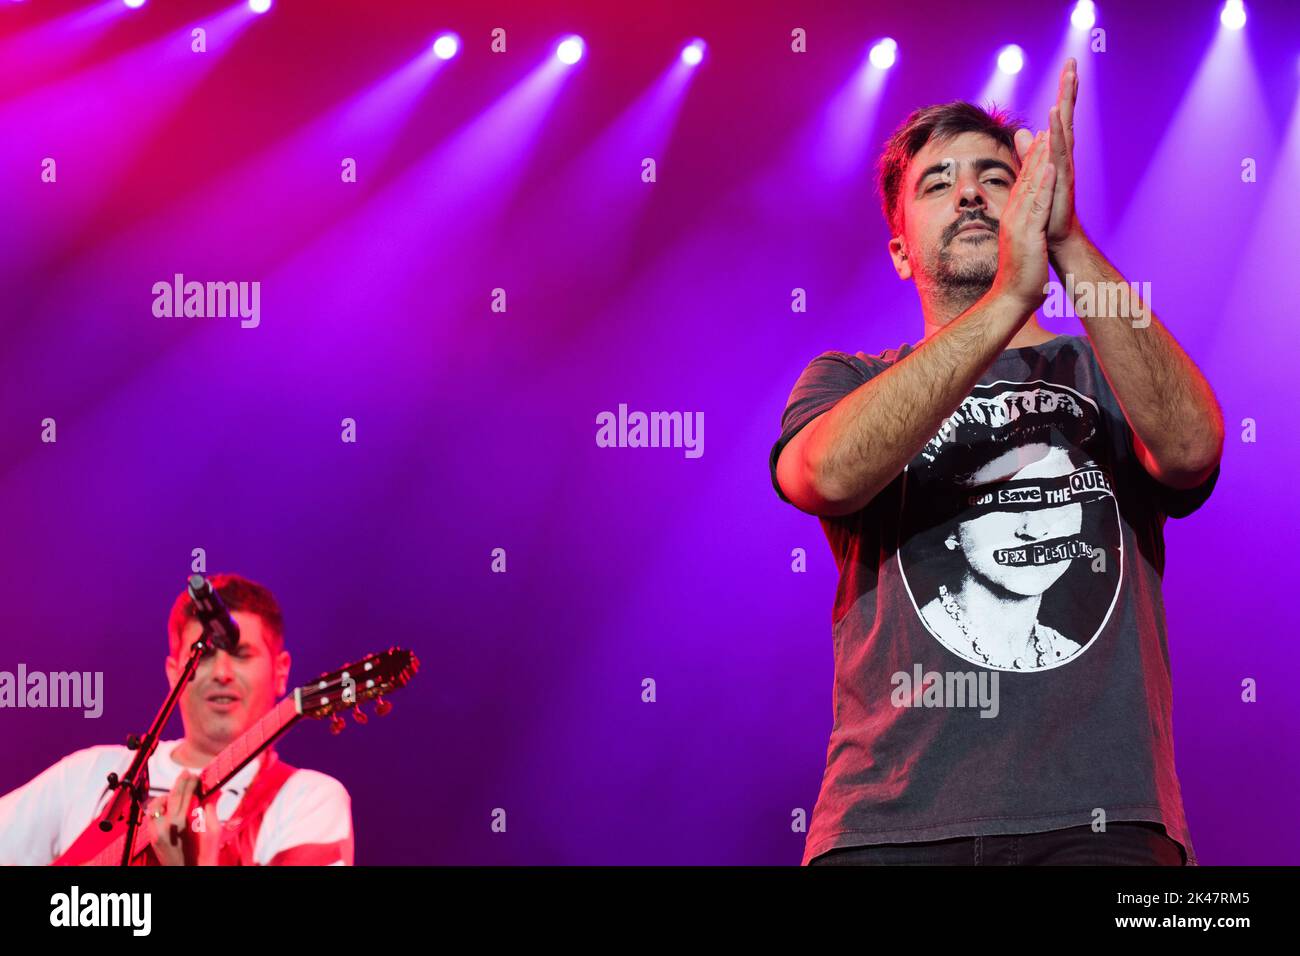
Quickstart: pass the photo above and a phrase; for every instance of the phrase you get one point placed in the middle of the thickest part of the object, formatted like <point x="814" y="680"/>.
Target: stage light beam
<point x="1084" y="16"/>
<point x="884" y="54"/>
<point x="1233" y="15"/>
<point x="693" y="53"/>
<point x="259" y="6"/>
<point x="134" y="4"/>
<point x="1011" y="60"/>
<point x="570" y="50"/>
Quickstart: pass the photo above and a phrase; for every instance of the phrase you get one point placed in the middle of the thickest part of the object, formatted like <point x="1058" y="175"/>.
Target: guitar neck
<point x="228" y="763"/>
<point x="249" y="744"/>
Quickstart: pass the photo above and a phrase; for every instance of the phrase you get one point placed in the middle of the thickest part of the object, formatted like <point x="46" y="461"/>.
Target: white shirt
<point x="42" y="818"/>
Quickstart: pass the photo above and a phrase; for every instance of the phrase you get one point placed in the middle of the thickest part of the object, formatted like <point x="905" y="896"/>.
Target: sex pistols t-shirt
<point x="1001" y="663"/>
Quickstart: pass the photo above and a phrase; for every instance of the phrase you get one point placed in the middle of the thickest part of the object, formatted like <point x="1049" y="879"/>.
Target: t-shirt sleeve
<point x="308" y="824"/>
<point x="1180" y="502"/>
<point x="31" y="816"/>
<point x="823" y="382"/>
<point x="1163" y="500"/>
<point x="1173" y="502"/>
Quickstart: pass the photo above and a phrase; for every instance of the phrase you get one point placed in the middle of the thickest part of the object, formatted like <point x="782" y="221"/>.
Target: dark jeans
<point x="1123" y="844"/>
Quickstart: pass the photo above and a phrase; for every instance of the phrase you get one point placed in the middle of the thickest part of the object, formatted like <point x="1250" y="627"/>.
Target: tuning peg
<point x="337" y="724"/>
<point x="382" y="707"/>
<point x="359" y="715"/>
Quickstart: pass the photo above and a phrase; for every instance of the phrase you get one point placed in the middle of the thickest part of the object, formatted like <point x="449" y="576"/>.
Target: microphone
<point x="219" y="626"/>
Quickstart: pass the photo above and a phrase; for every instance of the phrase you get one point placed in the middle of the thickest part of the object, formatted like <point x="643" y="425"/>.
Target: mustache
<point x="950" y="233"/>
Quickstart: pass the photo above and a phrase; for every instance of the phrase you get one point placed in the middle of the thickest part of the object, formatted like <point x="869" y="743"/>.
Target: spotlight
<point x="446" y="46"/>
<point x="1084" y="16"/>
<point x="259" y="6"/>
<point x="1011" y="60"/>
<point x="570" y="50"/>
<point x="1233" y="15"/>
<point x="693" y="53"/>
<point x="134" y="4"/>
<point x="884" y="53"/>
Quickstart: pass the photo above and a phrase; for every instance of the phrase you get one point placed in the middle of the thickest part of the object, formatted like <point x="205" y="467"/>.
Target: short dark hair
<point x="942" y="122"/>
<point x="238" y="593"/>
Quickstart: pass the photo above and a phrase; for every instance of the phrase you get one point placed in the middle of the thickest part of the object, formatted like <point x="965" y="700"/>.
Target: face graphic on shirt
<point x="982" y="538"/>
<point x="1010" y="545"/>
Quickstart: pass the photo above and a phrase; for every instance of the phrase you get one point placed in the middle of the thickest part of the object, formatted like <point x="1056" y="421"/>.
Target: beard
<point x="958" y="274"/>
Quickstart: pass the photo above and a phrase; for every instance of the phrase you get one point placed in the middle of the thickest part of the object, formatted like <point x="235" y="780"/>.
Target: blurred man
<point x="269" y="813"/>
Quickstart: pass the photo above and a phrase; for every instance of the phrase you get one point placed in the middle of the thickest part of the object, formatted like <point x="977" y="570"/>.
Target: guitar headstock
<point x="367" y="679"/>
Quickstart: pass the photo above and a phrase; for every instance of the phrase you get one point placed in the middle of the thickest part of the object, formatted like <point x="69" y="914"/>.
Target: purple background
<point x="476" y="429"/>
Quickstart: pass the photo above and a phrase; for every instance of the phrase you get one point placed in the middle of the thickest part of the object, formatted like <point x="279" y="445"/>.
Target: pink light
<point x="446" y="46"/>
<point x="570" y="50"/>
<point x="1011" y="60"/>
<point x="693" y="53"/>
<point x="884" y="53"/>
<point x="1084" y="16"/>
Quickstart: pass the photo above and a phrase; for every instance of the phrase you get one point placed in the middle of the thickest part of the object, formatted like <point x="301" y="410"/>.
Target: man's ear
<point x="173" y="669"/>
<point x="898" y="252"/>
<point x="282" y="662"/>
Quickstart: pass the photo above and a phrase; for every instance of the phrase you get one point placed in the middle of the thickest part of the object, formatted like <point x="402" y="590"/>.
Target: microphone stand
<point x="134" y="786"/>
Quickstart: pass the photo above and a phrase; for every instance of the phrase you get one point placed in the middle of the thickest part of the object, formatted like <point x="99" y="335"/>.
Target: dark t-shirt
<point x="1001" y="663"/>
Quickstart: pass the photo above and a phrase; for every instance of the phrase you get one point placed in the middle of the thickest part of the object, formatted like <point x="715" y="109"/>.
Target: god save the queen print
<point x="1010" y="545"/>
